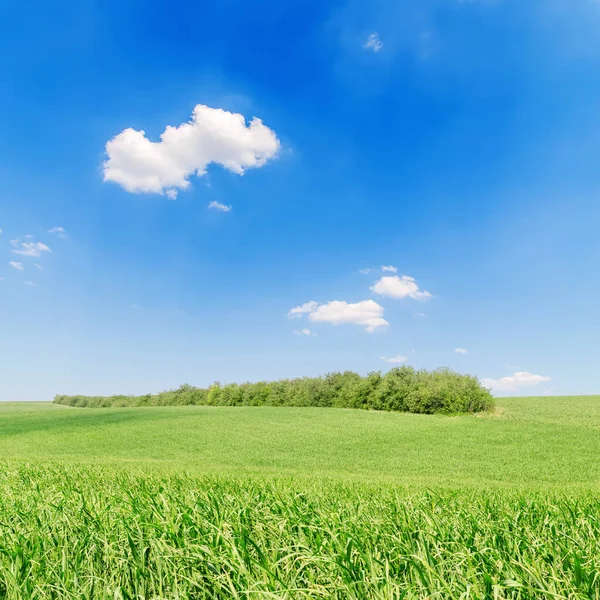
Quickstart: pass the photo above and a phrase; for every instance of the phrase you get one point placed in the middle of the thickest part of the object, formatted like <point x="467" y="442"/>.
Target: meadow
<point x="272" y="502"/>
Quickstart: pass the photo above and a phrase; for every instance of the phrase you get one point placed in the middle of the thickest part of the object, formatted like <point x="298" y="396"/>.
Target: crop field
<point x="219" y="502"/>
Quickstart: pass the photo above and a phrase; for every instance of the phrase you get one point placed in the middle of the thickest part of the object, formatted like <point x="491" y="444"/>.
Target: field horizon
<point x="525" y="443"/>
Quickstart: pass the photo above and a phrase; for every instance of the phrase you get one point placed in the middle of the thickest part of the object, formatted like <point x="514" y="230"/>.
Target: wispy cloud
<point x="395" y="359"/>
<point x="304" y="331"/>
<point x="420" y="315"/>
<point x="305" y="308"/>
<point x="460" y="351"/>
<point x="373" y="42"/>
<point x="29" y="283"/>
<point x="218" y="206"/>
<point x="29" y="248"/>
<point x="38" y="266"/>
<point x="389" y="268"/>
<point x="365" y="271"/>
<point x="59" y="232"/>
<point x="16" y="265"/>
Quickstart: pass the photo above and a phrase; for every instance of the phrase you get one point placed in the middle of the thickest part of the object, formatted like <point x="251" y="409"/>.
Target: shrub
<point x="402" y="389"/>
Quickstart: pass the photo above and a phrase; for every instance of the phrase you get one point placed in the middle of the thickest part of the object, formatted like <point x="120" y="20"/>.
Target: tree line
<point x="403" y="389"/>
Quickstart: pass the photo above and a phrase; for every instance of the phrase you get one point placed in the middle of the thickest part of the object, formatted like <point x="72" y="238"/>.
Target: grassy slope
<point x="532" y="442"/>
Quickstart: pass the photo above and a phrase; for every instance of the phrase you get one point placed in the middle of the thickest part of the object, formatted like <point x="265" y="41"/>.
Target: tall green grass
<point x="81" y="533"/>
<point x="401" y="389"/>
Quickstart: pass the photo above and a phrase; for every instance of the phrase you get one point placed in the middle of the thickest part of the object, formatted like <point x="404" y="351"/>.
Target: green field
<point x="207" y="502"/>
<point x="527" y="442"/>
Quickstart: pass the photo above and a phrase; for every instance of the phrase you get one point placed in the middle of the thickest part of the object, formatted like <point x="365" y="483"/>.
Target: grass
<point x="77" y="533"/>
<point x="528" y="442"/>
<point x="263" y="503"/>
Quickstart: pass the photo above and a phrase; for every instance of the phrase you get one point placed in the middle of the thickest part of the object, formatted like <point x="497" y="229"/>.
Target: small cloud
<point x="29" y="283"/>
<point x="29" y="248"/>
<point x="1" y="278"/>
<point x="297" y="312"/>
<point x="38" y="266"/>
<point x="373" y="42"/>
<point x="365" y="271"/>
<point x="336" y="312"/>
<point x="389" y="268"/>
<point x="304" y="331"/>
<point x="420" y="315"/>
<point x="460" y="351"/>
<point x="395" y="359"/>
<point x="514" y="382"/>
<point x="16" y="265"/>
<point x="59" y="231"/>
<point x="218" y="206"/>
<point x="400" y="287"/>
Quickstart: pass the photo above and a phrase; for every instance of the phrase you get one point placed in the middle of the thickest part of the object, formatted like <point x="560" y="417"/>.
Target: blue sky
<point x="455" y="141"/>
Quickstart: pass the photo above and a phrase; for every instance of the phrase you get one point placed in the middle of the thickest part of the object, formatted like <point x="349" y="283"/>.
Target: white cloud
<point x="38" y="266"/>
<point x="16" y="265"/>
<point x="59" y="231"/>
<point x="29" y="248"/>
<point x="513" y="382"/>
<point x="389" y="268"/>
<point x="460" y="351"/>
<point x="30" y="283"/>
<point x="395" y="359"/>
<point x="367" y="313"/>
<point x="304" y="331"/>
<point x="1" y="278"/>
<point x="365" y="271"/>
<point x="400" y="287"/>
<point x="304" y="308"/>
<point x="213" y="135"/>
<point x="421" y="315"/>
<point x="218" y="206"/>
<point x="373" y="42"/>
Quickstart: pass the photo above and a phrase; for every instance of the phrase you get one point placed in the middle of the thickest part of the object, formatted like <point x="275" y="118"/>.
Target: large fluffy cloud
<point x="400" y="287"/>
<point x="213" y="135"/>
<point x="513" y="382"/>
<point x="367" y="313"/>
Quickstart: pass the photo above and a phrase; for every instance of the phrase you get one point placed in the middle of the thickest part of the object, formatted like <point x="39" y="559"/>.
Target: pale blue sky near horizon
<point x="453" y="142"/>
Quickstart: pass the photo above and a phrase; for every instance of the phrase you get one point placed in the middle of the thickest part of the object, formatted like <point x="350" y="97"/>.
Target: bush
<point x="402" y="389"/>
